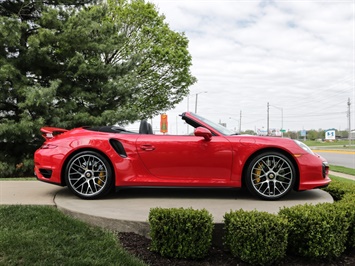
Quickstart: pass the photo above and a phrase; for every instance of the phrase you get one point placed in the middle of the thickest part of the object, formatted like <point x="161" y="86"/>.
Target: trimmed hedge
<point x="339" y="189"/>
<point x="256" y="237"/>
<point x="322" y="231"/>
<point x="335" y="190"/>
<point x="347" y="204"/>
<point x="317" y="231"/>
<point x="181" y="233"/>
<point x="344" y="195"/>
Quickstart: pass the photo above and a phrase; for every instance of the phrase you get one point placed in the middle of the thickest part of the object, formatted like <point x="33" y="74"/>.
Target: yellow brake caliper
<point x="257" y="172"/>
<point x="102" y="178"/>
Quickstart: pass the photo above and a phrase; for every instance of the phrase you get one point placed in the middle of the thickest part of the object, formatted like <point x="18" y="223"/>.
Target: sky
<point x="298" y="56"/>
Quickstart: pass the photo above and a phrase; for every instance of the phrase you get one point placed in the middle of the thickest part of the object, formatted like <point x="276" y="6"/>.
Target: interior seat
<point x="145" y="127"/>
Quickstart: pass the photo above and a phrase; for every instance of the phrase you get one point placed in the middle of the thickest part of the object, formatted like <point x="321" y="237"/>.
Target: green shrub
<point x="16" y="169"/>
<point x="317" y="231"/>
<point x="256" y="237"/>
<point x="181" y="233"/>
<point x="337" y="189"/>
<point x="6" y="170"/>
<point x="348" y="205"/>
<point x="344" y="195"/>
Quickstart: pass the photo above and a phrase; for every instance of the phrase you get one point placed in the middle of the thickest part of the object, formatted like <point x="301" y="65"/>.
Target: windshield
<point x="221" y="129"/>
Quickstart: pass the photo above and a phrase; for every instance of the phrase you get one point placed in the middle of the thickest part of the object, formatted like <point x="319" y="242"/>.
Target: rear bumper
<point x="47" y="167"/>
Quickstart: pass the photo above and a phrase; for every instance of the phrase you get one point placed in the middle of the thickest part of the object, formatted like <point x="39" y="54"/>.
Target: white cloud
<point x="296" y="55"/>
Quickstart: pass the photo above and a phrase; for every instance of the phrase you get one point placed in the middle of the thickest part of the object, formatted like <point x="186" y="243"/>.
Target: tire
<point x="89" y="175"/>
<point x="270" y="176"/>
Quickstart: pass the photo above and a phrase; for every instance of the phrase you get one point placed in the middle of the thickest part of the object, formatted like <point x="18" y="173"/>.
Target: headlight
<point x="304" y="146"/>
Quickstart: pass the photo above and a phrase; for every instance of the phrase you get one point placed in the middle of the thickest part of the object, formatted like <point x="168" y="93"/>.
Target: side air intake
<point x="118" y="147"/>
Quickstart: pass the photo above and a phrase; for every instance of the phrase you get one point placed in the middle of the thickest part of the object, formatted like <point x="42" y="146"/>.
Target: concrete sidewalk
<point x="27" y="193"/>
<point x="351" y="177"/>
<point x="135" y="199"/>
<point x="128" y="210"/>
<point x="34" y="192"/>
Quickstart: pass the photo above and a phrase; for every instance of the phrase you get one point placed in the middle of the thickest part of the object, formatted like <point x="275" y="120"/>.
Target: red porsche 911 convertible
<point x="92" y="161"/>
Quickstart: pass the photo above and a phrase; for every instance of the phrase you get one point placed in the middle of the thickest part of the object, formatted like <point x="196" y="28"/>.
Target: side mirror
<point x="203" y="132"/>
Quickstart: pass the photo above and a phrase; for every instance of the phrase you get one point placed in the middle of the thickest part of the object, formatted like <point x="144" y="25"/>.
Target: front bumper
<point x="314" y="172"/>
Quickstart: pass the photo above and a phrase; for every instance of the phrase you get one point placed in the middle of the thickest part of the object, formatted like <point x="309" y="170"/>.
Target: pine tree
<point x="74" y="63"/>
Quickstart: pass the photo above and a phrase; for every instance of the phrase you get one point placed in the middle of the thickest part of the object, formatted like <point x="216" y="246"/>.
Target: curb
<point x="347" y="176"/>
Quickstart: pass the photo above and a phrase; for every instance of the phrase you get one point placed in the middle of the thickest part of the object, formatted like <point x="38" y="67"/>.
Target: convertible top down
<point x="92" y="161"/>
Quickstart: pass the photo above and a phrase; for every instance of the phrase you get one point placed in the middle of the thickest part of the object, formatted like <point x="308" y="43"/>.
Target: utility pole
<point x="267" y="128"/>
<point x="196" y="100"/>
<point x="282" y="117"/>
<point x="240" y="122"/>
<point x="349" y="119"/>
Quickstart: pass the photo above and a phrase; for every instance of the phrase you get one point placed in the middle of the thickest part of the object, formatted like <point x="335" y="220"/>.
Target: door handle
<point x="147" y="147"/>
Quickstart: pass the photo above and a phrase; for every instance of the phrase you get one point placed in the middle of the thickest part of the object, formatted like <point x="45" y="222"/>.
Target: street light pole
<point x="238" y="123"/>
<point x="268" y="119"/>
<point x="349" y="113"/>
<point x="282" y="116"/>
<point x="196" y="100"/>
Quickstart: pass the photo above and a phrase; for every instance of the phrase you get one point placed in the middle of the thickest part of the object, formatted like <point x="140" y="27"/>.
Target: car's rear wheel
<point x="270" y="175"/>
<point x="88" y="175"/>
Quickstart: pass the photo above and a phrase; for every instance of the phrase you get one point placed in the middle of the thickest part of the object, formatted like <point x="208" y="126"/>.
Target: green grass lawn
<point x="343" y="143"/>
<point x="39" y="235"/>
<point x="19" y="179"/>
<point x="342" y="180"/>
<point x="342" y="169"/>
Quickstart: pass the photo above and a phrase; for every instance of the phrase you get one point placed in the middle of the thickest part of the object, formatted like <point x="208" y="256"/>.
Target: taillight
<point x="48" y="146"/>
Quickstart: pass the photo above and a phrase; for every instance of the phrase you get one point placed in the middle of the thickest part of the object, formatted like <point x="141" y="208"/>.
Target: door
<point x="186" y="157"/>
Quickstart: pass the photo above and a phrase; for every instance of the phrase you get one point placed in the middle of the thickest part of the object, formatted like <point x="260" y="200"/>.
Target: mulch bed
<point x="138" y="246"/>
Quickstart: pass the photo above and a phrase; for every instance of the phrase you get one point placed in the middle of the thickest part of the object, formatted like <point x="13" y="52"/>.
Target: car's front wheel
<point x="270" y="175"/>
<point x="89" y="175"/>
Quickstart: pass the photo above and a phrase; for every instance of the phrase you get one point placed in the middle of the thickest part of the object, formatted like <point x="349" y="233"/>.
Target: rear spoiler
<point x="50" y="132"/>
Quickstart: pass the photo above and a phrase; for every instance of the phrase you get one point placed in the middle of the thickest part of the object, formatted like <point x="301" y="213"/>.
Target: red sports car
<point x="92" y="161"/>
